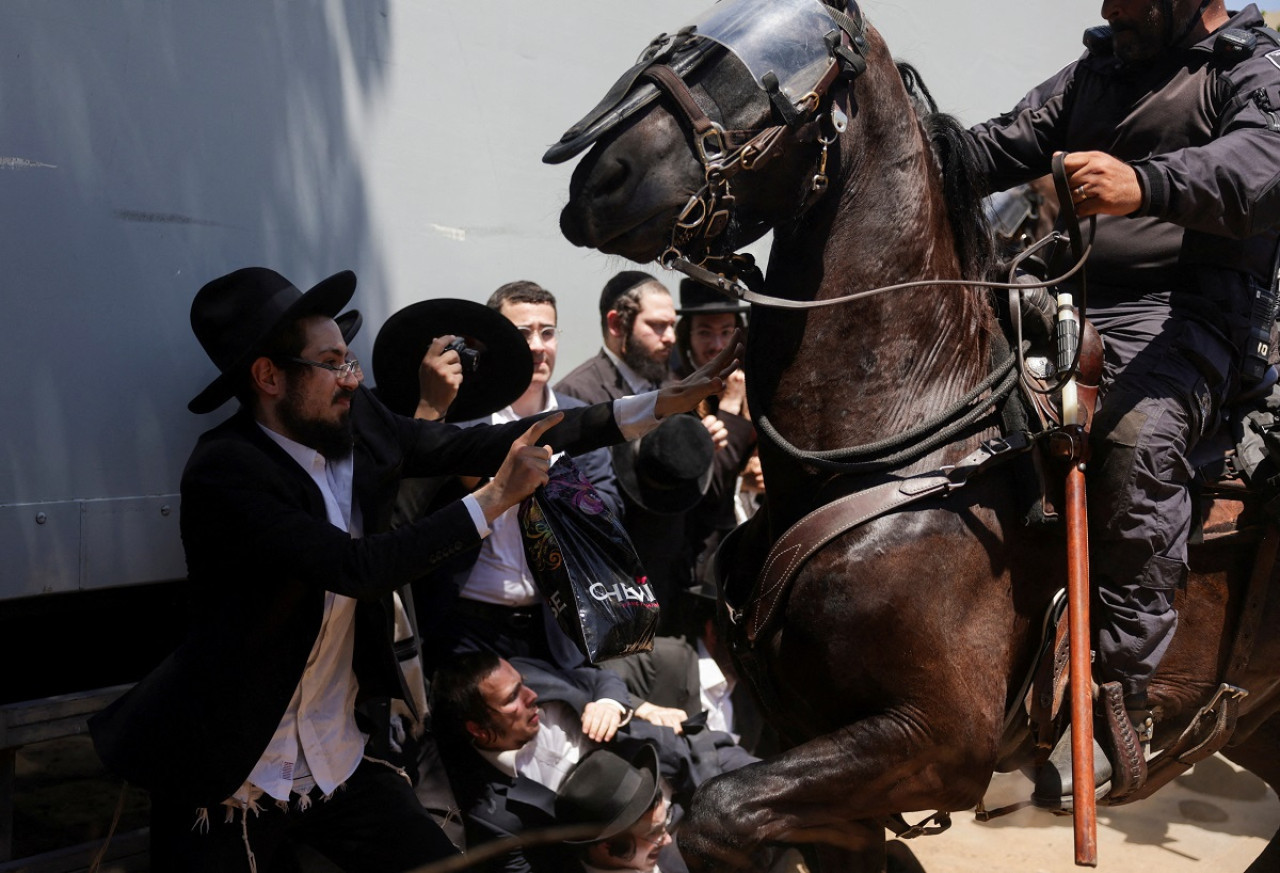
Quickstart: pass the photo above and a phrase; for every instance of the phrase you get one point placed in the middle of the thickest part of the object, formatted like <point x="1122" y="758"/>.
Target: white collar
<point x="307" y="457"/>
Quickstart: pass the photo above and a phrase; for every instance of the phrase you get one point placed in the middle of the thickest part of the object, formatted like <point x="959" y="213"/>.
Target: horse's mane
<point x="963" y="183"/>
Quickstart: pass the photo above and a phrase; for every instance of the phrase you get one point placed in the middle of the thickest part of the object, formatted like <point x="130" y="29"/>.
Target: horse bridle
<point x="806" y="104"/>
<point x="725" y="153"/>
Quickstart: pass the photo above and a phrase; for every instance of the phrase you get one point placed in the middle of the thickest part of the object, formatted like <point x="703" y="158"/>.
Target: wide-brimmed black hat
<point x="668" y="469"/>
<point x="698" y="299"/>
<point x="234" y="314"/>
<point x="609" y="791"/>
<point x="504" y="366"/>
<point x="349" y="323"/>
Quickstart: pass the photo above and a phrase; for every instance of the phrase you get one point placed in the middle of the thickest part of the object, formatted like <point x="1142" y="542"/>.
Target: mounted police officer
<point x="1171" y="122"/>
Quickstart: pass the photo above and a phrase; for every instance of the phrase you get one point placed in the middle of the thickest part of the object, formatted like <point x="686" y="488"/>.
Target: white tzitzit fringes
<point x="400" y="771"/>
<point x="244" y="805"/>
<point x="244" y="835"/>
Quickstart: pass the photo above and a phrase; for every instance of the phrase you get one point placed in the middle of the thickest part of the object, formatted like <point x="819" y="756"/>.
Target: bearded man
<point x="638" y="327"/>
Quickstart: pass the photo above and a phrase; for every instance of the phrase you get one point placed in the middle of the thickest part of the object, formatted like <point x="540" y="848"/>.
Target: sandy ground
<point x="1213" y="818"/>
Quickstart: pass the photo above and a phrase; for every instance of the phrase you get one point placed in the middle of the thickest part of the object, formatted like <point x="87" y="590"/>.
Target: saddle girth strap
<point x="804" y="538"/>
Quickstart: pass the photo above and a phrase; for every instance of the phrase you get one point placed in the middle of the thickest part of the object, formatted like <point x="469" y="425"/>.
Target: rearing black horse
<point x="891" y="657"/>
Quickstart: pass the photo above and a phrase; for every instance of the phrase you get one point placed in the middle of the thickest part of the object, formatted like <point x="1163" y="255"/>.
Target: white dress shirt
<point x="715" y="689"/>
<point x="551" y="754"/>
<point x="501" y="571"/>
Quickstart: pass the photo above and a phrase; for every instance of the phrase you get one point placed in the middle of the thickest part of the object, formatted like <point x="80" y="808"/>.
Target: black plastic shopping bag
<point x="586" y="567"/>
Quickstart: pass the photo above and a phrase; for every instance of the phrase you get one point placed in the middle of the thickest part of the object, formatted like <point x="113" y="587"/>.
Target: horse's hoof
<point x="1055" y="783"/>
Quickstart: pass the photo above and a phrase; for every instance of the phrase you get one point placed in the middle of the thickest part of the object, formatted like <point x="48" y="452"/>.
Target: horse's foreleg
<point x="831" y="791"/>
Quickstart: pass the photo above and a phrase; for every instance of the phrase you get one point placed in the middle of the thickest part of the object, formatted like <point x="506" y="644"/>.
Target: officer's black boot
<point x="1054" y="780"/>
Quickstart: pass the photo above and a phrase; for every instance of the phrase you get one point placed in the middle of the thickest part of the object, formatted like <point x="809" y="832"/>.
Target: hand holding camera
<point x="440" y="375"/>
<point x="468" y="357"/>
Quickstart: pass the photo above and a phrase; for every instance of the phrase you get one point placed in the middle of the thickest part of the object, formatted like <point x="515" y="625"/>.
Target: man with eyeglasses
<point x="620" y="801"/>
<point x="499" y="607"/>
<point x="246" y="735"/>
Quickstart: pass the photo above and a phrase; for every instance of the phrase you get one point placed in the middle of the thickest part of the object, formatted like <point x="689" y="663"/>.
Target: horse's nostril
<point x="612" y="179"/>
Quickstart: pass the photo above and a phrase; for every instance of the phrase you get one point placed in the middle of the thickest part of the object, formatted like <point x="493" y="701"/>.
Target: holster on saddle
<point x="1031" y="320"/>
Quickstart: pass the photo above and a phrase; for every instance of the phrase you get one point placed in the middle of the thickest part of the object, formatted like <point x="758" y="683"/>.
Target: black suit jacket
<point x="668" y="676"/>
<point x="686" y="760"/>
<point x="595" y="381"/>
<point x="260" y="556"/>
<point x="494" y="805"/>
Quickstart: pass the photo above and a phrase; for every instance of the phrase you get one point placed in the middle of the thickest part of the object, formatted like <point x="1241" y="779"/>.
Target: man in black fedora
<point x="491" y="600"/>
<point x="709" y="321"/>
<point x="620" y="802"/>
<point x="637" y="323"/>
<point x="246" y="735"/>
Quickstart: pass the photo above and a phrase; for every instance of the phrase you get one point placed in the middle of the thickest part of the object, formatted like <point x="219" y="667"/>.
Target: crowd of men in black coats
<point x="368" y="650"/>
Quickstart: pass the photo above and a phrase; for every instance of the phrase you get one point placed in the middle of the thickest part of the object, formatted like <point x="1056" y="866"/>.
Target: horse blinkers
<point x="733" y="26"/>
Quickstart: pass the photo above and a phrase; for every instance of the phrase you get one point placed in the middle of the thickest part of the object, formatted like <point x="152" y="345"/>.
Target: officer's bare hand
<point x="1101" y="184"/>
<point x="600" y="721"/>
<point x="439" y="378"/>
<point x="524" y="469"/>
<point x="708" y="379"/>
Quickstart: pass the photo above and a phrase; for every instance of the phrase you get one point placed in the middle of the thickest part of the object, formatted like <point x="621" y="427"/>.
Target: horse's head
<point x="678" y="142"/>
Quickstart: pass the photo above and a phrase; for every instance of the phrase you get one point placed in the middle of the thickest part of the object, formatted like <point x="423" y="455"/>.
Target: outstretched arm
<point x="710" y="378"/>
